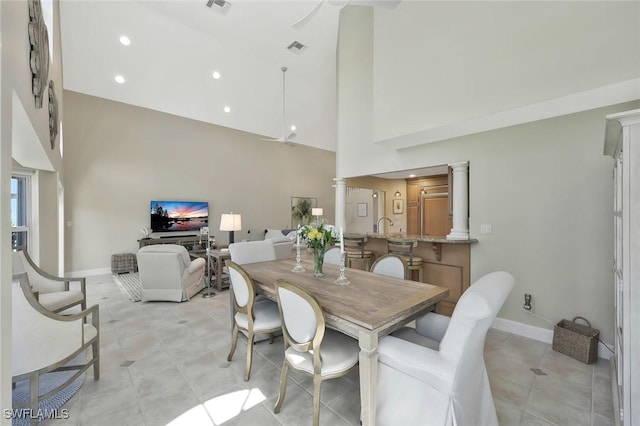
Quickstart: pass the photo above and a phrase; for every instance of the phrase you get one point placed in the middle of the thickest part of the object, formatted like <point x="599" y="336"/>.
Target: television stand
<point x="190" y="242"/>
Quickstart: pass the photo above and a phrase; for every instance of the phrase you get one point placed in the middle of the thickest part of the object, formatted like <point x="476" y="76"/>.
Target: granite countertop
<point x="421" y="238"/>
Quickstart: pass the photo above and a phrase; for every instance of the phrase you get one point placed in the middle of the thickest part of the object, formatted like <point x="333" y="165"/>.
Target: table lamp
<point x="230" y="222"/>
<point x="317" y="212"/>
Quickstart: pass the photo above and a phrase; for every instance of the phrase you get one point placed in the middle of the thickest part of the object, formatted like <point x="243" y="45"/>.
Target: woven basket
<point x="123" y="262"/>
<point x="576" y="340"/>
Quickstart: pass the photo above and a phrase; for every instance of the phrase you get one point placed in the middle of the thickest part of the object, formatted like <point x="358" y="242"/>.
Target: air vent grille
<point x="297" y="47"/>
<point x="220" y="5"/>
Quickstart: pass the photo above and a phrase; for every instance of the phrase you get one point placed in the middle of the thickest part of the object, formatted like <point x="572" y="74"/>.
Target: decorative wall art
<point x="53" y="115"/>
<point x="39" y="56"/>
<point x="362" y="209"/>
<point x="398" y="206"/>
<point x="301" y="210"/>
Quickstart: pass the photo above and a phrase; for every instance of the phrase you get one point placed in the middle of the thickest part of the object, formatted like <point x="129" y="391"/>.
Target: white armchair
<point x="54" y="293"/>
<point x="435" y="374"/>
<point x="168" y="273"/>
<point x="43" y="341"/>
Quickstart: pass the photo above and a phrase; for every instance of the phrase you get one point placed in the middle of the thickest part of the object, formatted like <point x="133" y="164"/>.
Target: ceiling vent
<point x="221" y="6"/>
<point x="297" y="47"/>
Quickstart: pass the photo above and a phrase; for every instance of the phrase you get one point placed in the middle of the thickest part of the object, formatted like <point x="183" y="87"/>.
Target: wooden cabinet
<point x="428" y="206"/>
<point x="622" y="142"/>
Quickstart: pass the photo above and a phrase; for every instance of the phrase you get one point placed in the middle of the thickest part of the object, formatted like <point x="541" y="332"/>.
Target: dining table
<point x="371" y="306"/>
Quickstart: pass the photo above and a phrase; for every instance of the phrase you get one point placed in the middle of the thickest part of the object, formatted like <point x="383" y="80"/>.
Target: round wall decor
<point x="39" y="57"/>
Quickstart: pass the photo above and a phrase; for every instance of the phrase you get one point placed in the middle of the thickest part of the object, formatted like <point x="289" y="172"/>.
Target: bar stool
<point x="354" y="248"/>
<point x="404" y="248"/>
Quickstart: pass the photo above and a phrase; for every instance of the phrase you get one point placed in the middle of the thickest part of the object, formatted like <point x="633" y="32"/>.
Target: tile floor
<point x="165" y="363"/>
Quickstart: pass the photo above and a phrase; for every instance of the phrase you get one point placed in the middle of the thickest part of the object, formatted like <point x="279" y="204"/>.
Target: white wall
<point x="119" y="157"/>
<point x="24" y="129"/>
<point x="545" y="188"/>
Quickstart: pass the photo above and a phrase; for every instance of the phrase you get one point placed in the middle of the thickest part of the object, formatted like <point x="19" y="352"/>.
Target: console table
<point x="190" y="242"/>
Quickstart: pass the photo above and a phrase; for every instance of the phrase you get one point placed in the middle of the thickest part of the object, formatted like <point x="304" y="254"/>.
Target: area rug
<point x="129" y="283"/>
<point x="48" y="408"/>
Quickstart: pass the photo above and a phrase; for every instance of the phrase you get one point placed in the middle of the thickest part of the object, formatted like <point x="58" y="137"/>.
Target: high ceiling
<point x="176" y="45"/>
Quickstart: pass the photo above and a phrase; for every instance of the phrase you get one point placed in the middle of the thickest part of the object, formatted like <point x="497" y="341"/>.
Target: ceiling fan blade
<point x="272" y="140"/>
<point x="291" y="136"/>
<point x="386" y="4"/>
<point x="300" y="23"/>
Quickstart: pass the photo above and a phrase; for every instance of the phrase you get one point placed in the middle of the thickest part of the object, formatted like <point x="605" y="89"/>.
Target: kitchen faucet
<point x="380" y="220"/>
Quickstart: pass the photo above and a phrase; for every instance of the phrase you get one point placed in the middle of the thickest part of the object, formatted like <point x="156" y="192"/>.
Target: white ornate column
<point x="460" y="194"/>
<point x="341" y="203"/>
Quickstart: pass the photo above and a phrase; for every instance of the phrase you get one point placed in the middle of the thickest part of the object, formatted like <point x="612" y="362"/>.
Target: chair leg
<point x="317" y="382"/>
<point x="95" y="348"/>
<point x="270" y="338"/>
<point x="250" y="338"/>
<point x="283" y="387"/>
<point x="234" y="341"/>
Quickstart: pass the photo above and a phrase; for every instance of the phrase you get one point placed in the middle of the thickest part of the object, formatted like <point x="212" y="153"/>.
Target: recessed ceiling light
<point x="293" y="128"/>
<point x="119" y="79"/>
<point x="125" y="40"/>
<point x="412" y="175"/>
<point x="227" y="109"/>
<point x="216" y="75"/>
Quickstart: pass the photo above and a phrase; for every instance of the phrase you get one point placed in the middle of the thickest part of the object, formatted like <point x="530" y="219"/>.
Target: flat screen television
<point x="167" y="216"/>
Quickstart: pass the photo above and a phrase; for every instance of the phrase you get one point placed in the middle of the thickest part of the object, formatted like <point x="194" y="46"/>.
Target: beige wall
<point x="545" y="187"/>
<point x="119" y="157"/>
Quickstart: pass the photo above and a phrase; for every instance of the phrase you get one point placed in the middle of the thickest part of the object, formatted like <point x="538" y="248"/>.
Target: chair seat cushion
<point x="266" y="317"/>
<point x="414" y="260"/>
<point x="59" y="299"/>
<point x="339" y="352"/>
<point x="89" y="332"/>
<point x="409" y="334"/>
<point x="358" y="253"/>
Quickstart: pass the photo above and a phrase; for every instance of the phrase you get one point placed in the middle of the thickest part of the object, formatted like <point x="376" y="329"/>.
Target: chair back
<point x="390" y="265"/>
<point x="302" y="318"/>
<point x="252" y="251"/>
<point x="463" y="342"/>
<point x="354" y="244"/>
<point x="162" y="266"/>
<point x="243" y="289"/>
<point x="402" y="246"/>
<point x="332" y="256"/>
<point x="38" y="338"/>
<point x="22" y="263"/>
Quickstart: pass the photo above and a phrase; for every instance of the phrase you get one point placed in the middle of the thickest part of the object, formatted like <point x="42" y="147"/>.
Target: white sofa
<point x="168" y="273"/>
<point x="283" y="244"/>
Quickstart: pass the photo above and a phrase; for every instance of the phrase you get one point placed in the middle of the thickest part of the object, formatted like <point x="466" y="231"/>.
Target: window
<point x="19" y="210"/>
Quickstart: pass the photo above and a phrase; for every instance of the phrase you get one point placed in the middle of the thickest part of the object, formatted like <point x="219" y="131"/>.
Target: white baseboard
<point x="538" y="333"/>
<point x="90" y="272"/>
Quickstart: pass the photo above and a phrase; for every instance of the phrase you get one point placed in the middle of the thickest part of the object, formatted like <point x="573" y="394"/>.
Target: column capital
<point x="459" y="166"/>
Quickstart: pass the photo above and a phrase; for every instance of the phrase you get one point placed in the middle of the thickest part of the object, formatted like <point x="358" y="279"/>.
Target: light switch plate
<point x="486" y="230"/>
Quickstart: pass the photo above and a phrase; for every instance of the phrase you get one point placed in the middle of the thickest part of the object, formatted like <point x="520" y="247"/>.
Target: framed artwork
<point x="301" y="210"/>
<point x="398" y="206"/>
<point x="362" y="209"/>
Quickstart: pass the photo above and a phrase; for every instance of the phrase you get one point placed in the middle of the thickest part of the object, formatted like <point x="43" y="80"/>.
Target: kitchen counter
<point x="445" y="262"/>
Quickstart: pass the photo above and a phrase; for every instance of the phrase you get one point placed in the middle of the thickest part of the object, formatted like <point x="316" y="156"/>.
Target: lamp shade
<point x="317" y="211"/>
<point x="230" y="222"/>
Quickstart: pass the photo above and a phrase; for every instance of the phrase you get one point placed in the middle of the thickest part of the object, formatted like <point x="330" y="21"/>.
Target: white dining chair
<point x="251" y="317"/>
<point x="310" y="348"/>
<point x="332" y="256"/>
<point x="390" y="265"/>
<point x="435" y="374"/>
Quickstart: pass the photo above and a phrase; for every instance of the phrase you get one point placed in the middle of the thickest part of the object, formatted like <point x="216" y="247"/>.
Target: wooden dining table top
<point x="370" y="301"/>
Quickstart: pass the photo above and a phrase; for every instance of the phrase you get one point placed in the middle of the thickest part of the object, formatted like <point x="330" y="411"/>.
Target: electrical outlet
<point x="527" y="302"/>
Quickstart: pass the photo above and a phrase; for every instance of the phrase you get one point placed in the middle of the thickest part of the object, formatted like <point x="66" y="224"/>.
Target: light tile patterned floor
<point x="164" y="362"/>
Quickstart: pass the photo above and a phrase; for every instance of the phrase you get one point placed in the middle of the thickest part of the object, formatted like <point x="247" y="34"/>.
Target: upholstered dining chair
<point x="252" y="252"/>
<point x="251" y="317"/>
<point x="311" y="348"/>
<point x="45" y="342"/>
<point x="404" y="247"/>
<point x="332" y="256"/>
<point x="53" y="293"/>
<point x="354" y="246"/>
<point x="435" y="374"/>
<point x="390" y="265"/>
